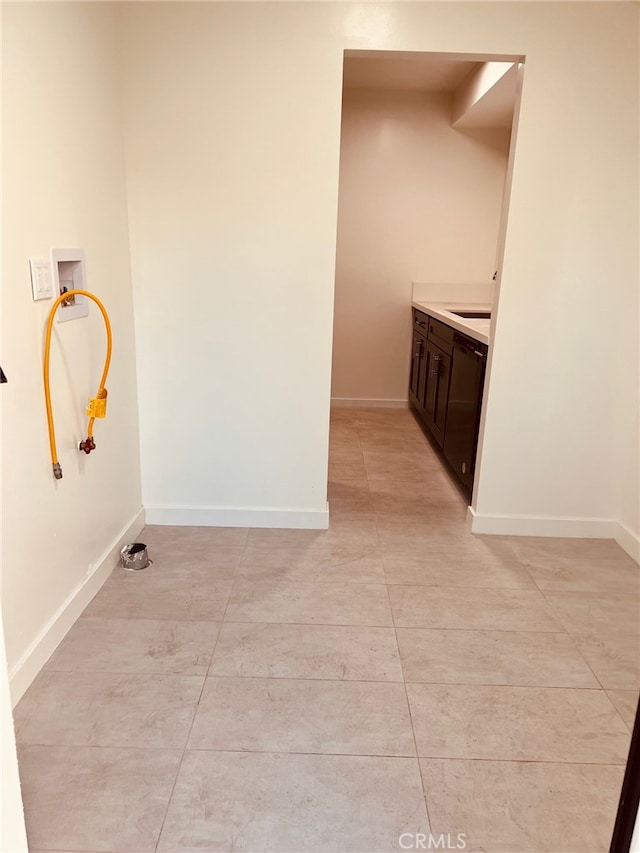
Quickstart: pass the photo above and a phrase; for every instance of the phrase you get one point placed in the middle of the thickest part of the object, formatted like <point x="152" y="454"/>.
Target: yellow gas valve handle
<point x="97" y="406"/>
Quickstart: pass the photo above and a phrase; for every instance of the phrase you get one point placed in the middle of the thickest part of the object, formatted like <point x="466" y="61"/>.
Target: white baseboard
<point x="41" y="649"/>
<point x="361" y="403"/>
<point x="629" y="541"/>
<point x="534" y="525"/>
<point x="212" y="516"/>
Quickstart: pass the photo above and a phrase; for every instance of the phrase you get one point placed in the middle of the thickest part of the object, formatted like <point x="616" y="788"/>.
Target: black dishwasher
<point x="463" y="410"/>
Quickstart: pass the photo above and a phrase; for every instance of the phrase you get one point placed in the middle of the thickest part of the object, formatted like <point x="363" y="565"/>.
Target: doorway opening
<point x="427" y="147"/>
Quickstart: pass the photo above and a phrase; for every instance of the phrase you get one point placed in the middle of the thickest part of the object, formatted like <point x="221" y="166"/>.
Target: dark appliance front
<point x="463" y="412"/>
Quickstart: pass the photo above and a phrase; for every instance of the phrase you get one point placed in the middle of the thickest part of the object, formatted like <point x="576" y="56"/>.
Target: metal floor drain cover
<point x="134" y="557"/>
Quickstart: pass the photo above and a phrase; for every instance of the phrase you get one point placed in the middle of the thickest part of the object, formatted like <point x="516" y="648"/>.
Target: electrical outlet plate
<point x="68" y="267"/>
<point x="41" y="285"/>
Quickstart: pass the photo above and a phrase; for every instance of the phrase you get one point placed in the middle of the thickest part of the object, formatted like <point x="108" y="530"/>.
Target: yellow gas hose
<point x="98" y="404"/>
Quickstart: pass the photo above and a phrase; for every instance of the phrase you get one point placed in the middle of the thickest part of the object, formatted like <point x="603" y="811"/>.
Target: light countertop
<point x="475" y="328"/>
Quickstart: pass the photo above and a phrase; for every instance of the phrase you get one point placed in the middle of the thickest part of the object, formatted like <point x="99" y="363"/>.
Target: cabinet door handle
<point x="418" y="350"/>
<point x="436" y="365"/>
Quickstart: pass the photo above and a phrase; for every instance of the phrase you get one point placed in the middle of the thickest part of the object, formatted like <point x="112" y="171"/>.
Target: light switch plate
<point x="41" y="282"/>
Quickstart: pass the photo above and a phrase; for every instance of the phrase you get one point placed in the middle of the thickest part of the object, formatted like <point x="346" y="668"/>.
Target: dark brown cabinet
<point x="418" y="367"/>
<point x="417" y="380"/>
<point x="438" y="372"/>
<point x="445" y="390"/>
<point x="430" y="372"/>
<point x="465" y="402"/>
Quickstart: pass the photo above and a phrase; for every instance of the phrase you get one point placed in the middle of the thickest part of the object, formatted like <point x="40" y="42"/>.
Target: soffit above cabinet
<point x="487" y="97"/>
<point x="416" y="72"/>
<point x="483" y="92"/>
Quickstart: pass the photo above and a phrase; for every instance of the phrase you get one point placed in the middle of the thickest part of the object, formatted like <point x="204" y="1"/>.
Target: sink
<point x="476" y="315"/>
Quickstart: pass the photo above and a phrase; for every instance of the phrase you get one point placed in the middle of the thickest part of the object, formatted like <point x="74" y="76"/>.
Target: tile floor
<point x="286" y="691"/>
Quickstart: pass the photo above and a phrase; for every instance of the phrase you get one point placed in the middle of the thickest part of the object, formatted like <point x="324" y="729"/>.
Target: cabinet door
<point x="441" y="397"/>
<point x="463" y="410"/>
<point x="422" y="379"/>
<point x="438" y="371"/>
<point x="416" y="382"/>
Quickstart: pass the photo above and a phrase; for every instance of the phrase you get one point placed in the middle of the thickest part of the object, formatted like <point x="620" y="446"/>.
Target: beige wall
<point x="232" y="114"/>
<point x="63" y="186"/>
<point x="418" y="201"/>
<point x="232" y="131"/>
<point x="561" y="443"/>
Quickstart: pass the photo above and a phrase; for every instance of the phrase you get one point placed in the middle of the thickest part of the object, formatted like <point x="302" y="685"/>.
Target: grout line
<point x="591" y="668"/>
<point x="397" y="683"/>
<point x="480" y="684"/>
<point x="406" y="696"/>
<point x="266" y="751"/>
<point x="492" y="685"/>
<point x="213" y="651"/>
<point x="401" y="627"/>
<point x="619" y="713"/>
<point x="420" y="627"/>
<point x="304" y="624"/>
<point x="222" y="619"/>
<point x="209" y="674"/>
<point x="535" y="592"/>
<point x="197" y="705"/>
<point x="405" y="757"/>
<point x="367" y="550"/>
<point x="523" y="761"/>
<point x="61" y="850"/>
<point x="359" y="625"/>
<point x="402" y="757"/>
<point x="184" y="751"/>
<point x="635" y="692"/>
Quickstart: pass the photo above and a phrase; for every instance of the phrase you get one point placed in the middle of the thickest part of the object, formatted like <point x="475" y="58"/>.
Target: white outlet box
<point x="69" y="274"/>
<point x="41" y="285"/>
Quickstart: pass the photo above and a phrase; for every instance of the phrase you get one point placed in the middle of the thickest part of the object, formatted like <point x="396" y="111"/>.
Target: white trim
<point x="362" y="402"/>
<point x="41" y="649"/>
<point x="214" y="516"/>
<point x="629" y="542"/>
<point x="535" y="525"/>
<point x="13" y="835"/>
